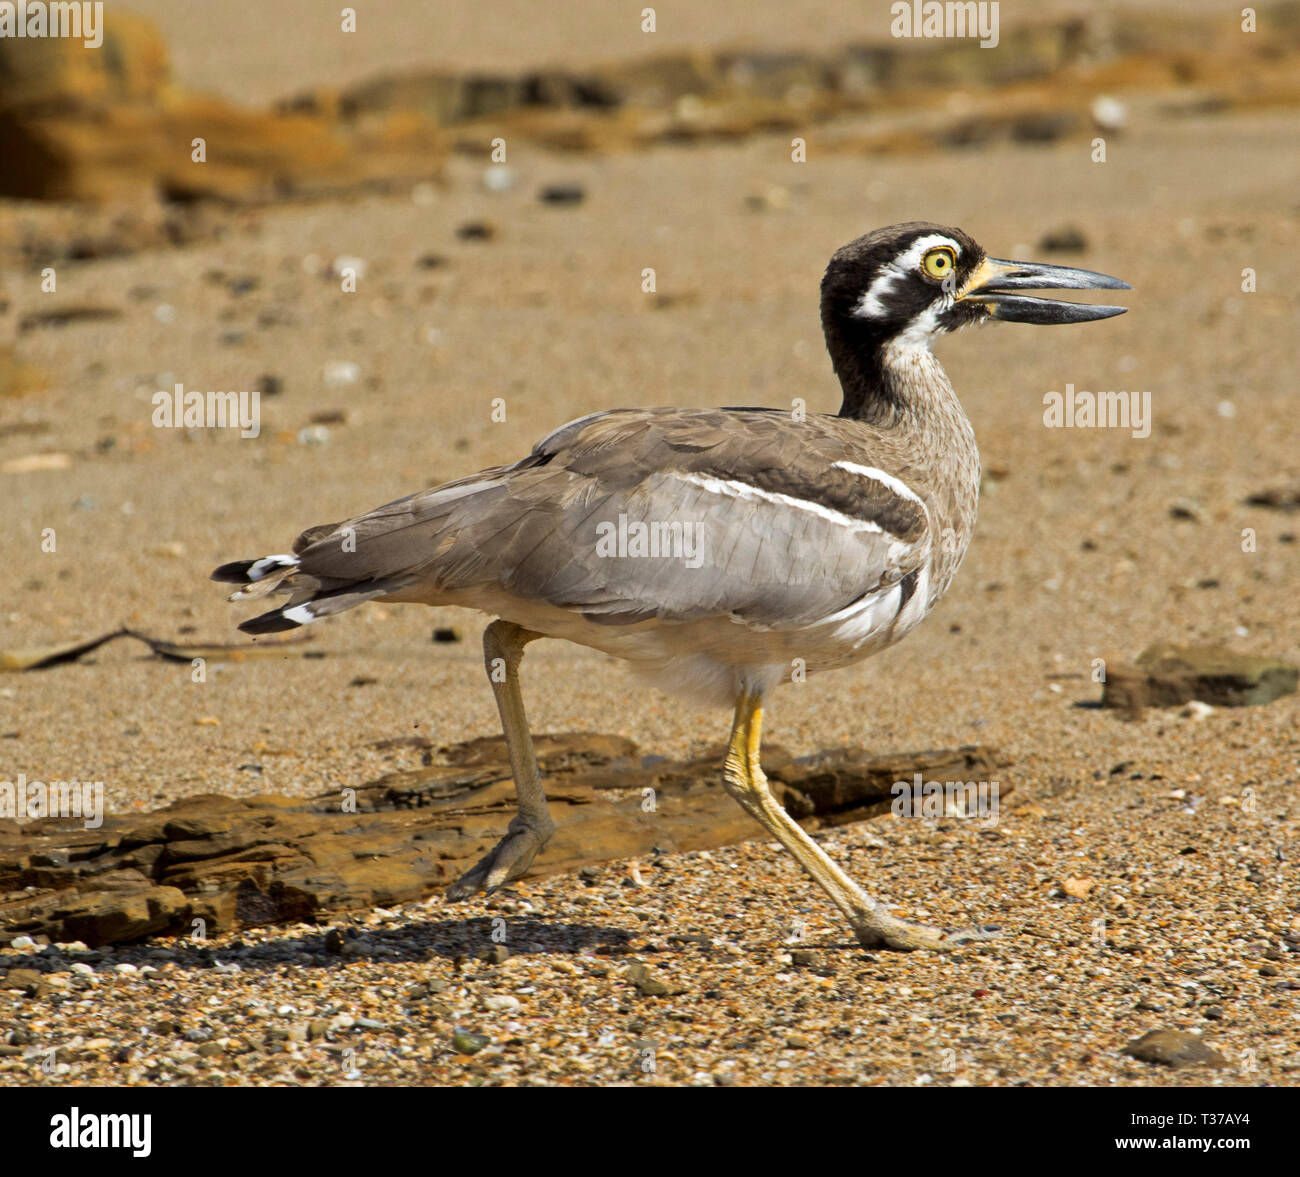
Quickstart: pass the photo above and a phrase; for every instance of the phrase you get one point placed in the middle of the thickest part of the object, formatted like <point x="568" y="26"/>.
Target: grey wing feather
<point x="778" y="536"/>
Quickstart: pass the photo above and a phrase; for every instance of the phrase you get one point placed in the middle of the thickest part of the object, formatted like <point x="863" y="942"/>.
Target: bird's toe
<point x="509" y="859"/>
<point x="901" y="936"/>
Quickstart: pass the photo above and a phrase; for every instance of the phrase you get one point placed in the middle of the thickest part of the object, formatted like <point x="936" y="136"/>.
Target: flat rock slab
<point x="1167" y="675"/>
<point x="271" y="859"/>
<point x="1174" y="1048"/>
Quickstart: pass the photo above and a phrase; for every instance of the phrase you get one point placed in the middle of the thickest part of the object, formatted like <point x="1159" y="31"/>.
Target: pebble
<point x="498" y="177"/>
<point x="466" y="1042"/>
<point x="562" y="194"/>
<point x="478" y="231"/>
<point x="339" y="373"/>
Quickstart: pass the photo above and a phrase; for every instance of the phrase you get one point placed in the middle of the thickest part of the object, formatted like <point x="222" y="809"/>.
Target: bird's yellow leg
<point x="873" y="925"/>
<point x="529" y="829"/>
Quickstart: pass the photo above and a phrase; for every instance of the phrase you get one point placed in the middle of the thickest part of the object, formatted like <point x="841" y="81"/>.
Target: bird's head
<point x="904" y="284"/>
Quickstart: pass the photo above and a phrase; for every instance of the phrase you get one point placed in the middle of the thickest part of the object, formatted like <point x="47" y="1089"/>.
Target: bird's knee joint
<point x="504" y="641"/>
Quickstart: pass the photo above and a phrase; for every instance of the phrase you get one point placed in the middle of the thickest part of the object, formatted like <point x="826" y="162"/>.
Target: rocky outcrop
<point x="109" y="124"/>
<point x="238" y="862"/>
<point x="1041" y="84"/>
<point x="1167" y="675"/>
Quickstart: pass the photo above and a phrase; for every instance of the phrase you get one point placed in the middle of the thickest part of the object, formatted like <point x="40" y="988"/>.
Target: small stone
<point x="338" y="373"/>
<point x="210" y="1050"/>
<point x="497" y="954"/>
<point x="501" y="1001"/>
<point x="1279" y="498"/>
<point x="1108" y="113"/>
<point x="647" y="984"/>
<point x="770" y="200"/>
<point x="1078" y="888"/>
<point x="1174" y="1048"/>
<point x="498" y="177"/>
<point x="1269" y="970"/>
<point x="798" y="1042"/>
<point x="1065" y="239"/>
<point x="21" y="942"/>
<point x="28" y="980"/>
<point x="477" y="231"/>
<point x="467" y="1042"/>
<point x="334" y="941"/>
<point x="562" y="194"/>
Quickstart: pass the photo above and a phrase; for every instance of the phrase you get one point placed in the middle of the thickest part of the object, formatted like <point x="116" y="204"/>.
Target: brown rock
<point x="30" y="981"/>
<point x="110" y="125"/>
<point x="117" y="917"/>
<point x="1277" y="498"/>
<point x="649" y="985"/>
<point x="1167" y="675"/>
<point x="241" y="862"/>
<point x="1078" y="888"/>
<point x="1174" y="1048"/>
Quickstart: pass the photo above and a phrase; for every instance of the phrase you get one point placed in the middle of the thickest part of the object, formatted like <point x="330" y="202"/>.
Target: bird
<point x="718" y="551"/>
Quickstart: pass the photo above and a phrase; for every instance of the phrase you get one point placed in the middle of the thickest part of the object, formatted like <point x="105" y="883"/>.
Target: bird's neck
<point x="899" y="387"/>
<point x="895" y="383"/>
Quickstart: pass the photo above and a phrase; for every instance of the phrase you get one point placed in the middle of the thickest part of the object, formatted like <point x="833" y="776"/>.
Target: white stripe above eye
<point x="899" y="487"/>
<point x="743" y="490"/>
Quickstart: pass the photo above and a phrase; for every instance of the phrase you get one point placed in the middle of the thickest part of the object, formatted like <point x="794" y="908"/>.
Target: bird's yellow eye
<point x="939" y="263"/>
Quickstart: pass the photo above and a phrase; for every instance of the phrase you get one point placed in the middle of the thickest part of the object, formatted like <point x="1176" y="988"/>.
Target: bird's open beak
<point x="996" y="283"/>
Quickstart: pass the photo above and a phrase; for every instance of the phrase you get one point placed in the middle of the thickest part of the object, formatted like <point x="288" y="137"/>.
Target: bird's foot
<point x="508" y="859"/>
<point x="884" y="931"/>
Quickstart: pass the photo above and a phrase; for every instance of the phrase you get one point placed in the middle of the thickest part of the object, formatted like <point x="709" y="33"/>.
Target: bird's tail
<point x="311" y="597"/>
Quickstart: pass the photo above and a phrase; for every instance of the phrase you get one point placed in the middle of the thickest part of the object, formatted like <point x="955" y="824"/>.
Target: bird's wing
<point x="631" y="515"/>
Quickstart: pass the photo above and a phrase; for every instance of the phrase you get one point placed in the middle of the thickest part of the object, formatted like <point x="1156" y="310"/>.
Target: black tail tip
<point x="233" y="573"/>
<point x="273" y="622"/>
